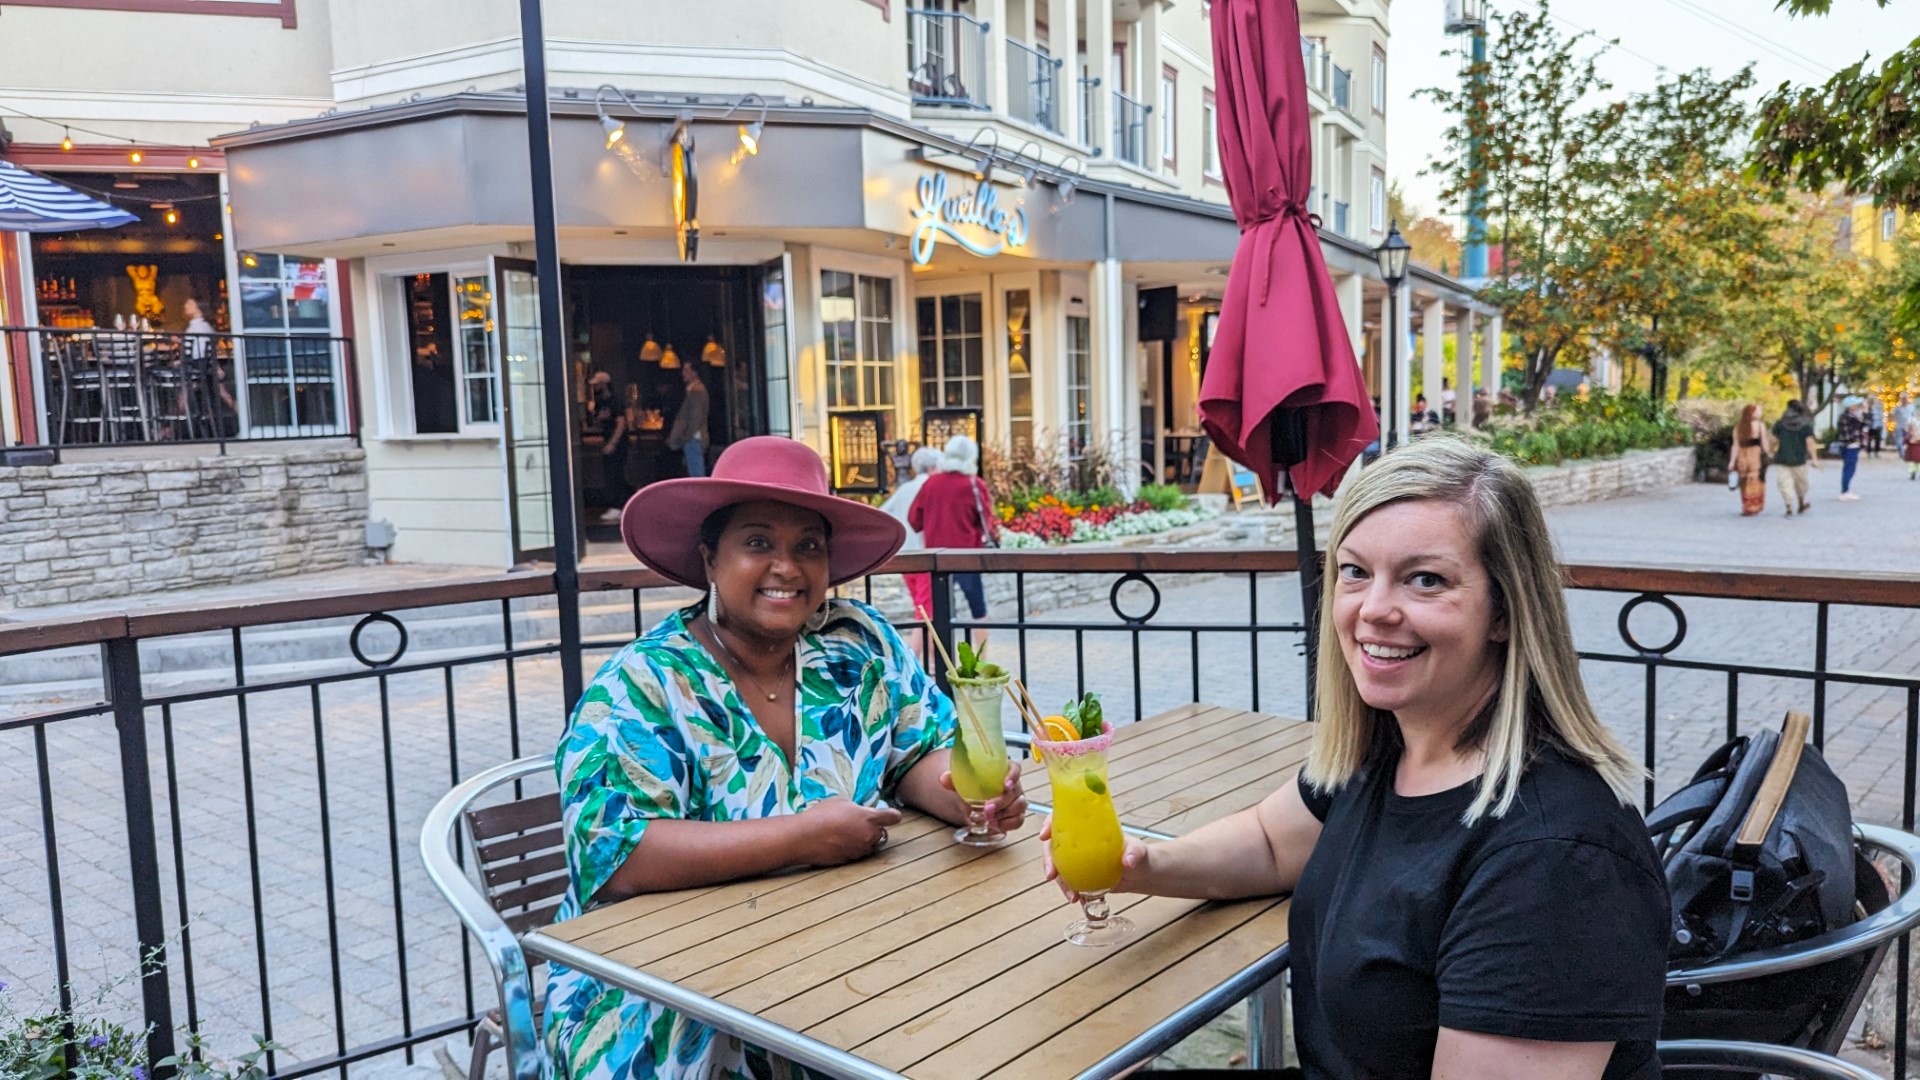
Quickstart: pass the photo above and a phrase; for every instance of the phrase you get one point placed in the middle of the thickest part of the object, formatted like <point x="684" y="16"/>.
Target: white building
<point x="853" y="281"/>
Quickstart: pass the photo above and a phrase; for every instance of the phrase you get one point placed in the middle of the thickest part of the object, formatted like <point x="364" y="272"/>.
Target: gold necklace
<point x="714" y="629"/>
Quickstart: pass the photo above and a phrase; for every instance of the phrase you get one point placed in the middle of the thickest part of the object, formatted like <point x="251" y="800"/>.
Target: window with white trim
<point x="1209" y="137"/>
<point x="856" y="318"/>
<point x="446" y="324"/>
<point x="1079" y="385"/>
<point x="1888" y="219"/>
<point x="1379" y="81"/>
<point x="1169" y="112"/>
<point x="1377" y="198"/>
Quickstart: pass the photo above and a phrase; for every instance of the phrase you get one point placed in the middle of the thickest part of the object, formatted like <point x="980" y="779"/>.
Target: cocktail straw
<point x="1029" y="712"/>
<point x="979" y="729"/>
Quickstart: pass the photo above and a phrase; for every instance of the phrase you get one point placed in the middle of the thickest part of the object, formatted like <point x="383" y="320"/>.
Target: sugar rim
<point x="1099" y="744"/>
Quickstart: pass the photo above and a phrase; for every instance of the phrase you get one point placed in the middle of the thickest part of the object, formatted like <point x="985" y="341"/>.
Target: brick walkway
<point x="1690" y="526"/>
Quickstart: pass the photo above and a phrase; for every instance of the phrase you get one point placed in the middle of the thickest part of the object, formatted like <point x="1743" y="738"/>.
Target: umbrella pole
<point x="1305" y="547"/>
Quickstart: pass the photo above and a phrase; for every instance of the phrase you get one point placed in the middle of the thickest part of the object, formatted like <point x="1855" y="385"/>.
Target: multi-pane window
<point x="1169" y="111"/>
<point x="1377" y="200"/>
<point x="288" y="364"/>
<point x="1209" y="137"/>
<point x="952" y="352"/>
<point x="1020" y="367"/>
<point x="1379" y="81"/>
<point x="1079" y="384"/>
<point x="1887" y="221"/>
<point x="479" y="378"/>
<point x="856" y="316"/>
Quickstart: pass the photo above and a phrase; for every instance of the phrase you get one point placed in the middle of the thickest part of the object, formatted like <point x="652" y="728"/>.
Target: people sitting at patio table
<point x="764" y="727"/>
<point x="1474" y="894"/>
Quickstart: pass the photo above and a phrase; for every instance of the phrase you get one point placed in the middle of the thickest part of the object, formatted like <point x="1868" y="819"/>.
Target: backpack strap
<point x="1689" y="804"/>
<point x="1752" y="837"/>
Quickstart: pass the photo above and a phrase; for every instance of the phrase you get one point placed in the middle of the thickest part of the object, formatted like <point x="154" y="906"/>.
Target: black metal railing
<point x="108" y="387"/>
<point x="946" y="58"/>
<point x="273" y="761"/>
<point x="1033" y="85"/>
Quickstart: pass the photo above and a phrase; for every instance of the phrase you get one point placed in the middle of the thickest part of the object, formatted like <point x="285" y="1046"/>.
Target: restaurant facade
<point x="861" y="259"/>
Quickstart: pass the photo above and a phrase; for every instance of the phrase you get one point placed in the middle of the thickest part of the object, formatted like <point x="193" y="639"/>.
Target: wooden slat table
<point x="936" y="961"/>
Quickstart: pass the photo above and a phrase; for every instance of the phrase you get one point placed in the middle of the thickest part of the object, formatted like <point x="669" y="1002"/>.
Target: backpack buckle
<point x="1742" y="885"/>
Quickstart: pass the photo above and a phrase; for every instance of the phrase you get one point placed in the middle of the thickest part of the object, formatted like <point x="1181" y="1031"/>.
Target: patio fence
<point x="254" y="829"/>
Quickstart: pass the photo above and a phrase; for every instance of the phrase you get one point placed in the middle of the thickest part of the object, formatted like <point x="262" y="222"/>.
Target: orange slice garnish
<point x="1058" y="730"/>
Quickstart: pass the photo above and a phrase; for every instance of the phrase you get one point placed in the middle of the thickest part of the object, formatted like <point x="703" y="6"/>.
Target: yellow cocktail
<point x="979" y="761"/>
<point x="1087" y="842"/>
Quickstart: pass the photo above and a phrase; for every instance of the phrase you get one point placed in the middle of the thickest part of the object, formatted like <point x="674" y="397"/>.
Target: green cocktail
<point x="979" y="762"/>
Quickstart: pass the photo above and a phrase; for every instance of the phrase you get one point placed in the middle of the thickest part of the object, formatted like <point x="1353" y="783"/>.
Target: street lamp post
<point x="1392" y="257"/>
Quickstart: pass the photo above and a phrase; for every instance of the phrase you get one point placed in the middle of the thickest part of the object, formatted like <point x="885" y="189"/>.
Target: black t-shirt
<point x="1548" y="923"/>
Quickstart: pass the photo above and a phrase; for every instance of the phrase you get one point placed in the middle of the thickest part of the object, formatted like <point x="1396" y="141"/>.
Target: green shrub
<point x="1163" y="497"/>
<point x="1600" y="425"/>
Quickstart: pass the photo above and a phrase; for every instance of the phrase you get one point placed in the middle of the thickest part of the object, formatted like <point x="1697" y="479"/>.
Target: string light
<point x="249" y="260"/>
<point x="173" y="217"/>
<point x="134" y="156"/>
<point x="193" y="163"/>
<point x="66" y="140"/>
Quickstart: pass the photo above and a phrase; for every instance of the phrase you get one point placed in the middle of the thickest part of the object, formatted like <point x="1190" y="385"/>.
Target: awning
<point x="32" y="203"/>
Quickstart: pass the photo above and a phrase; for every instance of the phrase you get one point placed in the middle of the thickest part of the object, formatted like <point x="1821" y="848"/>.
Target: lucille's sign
<point x="964" y="219"/>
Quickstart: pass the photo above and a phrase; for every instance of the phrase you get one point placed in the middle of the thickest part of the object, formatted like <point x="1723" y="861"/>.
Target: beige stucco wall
<point x="159" y="78"/>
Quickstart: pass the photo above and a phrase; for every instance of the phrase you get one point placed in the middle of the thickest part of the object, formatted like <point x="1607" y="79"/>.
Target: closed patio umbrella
<point x="30" y="202"/>
<point x="1282" y="393"/>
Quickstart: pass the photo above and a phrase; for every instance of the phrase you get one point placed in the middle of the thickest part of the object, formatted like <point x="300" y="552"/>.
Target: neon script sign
<point x="938" y="215"/>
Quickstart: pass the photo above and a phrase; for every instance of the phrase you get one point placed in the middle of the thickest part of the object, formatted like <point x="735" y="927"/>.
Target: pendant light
<point x="650" y="352"/>
<point x="669" y="359"/>
<point x="713" y="354"/>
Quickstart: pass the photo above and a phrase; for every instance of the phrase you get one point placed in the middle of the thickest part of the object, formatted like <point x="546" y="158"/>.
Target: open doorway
<point x="636" y="336"/>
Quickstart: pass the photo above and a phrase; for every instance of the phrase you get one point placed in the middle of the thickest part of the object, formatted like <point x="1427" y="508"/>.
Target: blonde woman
<point x="1474" y="892"/>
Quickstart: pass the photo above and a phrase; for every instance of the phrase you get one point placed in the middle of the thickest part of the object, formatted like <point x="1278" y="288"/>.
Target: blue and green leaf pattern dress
<point x="661" y="732"/>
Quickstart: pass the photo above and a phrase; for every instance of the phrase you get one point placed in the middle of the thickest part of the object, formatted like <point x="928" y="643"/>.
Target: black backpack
<point x="1759" y="852"/>
<point x="1758" y="849"/>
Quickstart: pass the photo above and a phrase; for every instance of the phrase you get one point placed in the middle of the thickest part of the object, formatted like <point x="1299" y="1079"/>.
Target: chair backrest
<point x="1837" y="967"/>
<point x="1707" y="1057"/>
<point x="520" y="838"/>
<point x="523" y="859"/>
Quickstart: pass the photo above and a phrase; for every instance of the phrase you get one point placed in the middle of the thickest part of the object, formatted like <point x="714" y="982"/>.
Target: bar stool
<point x="122" y="390"/>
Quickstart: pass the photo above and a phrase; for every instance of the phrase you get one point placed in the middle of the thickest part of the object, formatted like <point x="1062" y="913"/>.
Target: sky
<point x="1722" y="35"/>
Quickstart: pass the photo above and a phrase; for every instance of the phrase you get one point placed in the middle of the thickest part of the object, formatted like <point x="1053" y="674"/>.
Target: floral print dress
<point x="661" y="732"/>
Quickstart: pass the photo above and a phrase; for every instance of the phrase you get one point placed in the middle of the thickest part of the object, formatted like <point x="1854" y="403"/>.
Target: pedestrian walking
<point x="951" y="511"/>
<point x="689" y="434"/>
<point x="925" y="462"/>
<point x="606" y="430"/>
<point x="1876" y="423"/>
<point x="1448" y="401"/>
<point x="1909" y="436"/>
<point x="1794" y="452"/>
<point x="1853" y="439"/>
<point x="1902" y="415"/>
<point x="1751" y="440"/>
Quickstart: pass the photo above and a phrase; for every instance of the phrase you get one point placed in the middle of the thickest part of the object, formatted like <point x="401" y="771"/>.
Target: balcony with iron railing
<point x="1318" y="63"/>
<point x="1130" y="129"/>
<point x="1088" y="88"/>
<point x="947" y="59"/>
<point x="1033" y="86"/>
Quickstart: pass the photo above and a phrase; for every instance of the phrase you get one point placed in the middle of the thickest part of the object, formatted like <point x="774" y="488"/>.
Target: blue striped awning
<point x="32" y="203"/>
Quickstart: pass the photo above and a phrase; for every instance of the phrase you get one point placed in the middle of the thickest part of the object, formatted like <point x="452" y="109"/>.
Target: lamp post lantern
<point x="1392" y="257"/>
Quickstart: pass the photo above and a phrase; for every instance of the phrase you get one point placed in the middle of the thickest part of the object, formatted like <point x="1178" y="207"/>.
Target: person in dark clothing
<point x="689" y="434"/>
<point x="1853" y="439"/>
<point x="1474" y="893"/>
<point x="1797" y="452"/>
<point x="606" y="432"/>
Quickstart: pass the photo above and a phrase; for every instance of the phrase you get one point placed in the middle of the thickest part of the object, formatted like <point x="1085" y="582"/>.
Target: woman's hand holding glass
<point x="1007" y="812"/>
<point x="1133" y="865"/>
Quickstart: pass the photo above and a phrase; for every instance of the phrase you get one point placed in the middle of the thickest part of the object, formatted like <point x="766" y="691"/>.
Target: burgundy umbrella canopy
<point x="1282" y="392"/>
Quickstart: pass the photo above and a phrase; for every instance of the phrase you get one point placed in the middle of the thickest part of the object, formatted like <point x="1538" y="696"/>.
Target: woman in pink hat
<point x="764" y="727"/>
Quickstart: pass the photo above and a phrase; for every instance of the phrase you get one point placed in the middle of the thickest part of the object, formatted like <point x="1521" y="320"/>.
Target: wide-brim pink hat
<point x="661" y="523"/>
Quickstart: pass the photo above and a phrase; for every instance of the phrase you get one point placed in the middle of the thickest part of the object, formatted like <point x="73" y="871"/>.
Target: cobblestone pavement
<point x="391" y="746"/>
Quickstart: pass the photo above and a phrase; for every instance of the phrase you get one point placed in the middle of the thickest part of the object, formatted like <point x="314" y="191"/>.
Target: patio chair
<point x="1700" y="1057"/>
<point x="1805" y="994"/>
<point x="521" y="864"/>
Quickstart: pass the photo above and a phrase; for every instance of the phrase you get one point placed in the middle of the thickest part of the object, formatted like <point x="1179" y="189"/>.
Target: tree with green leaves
<point x="1860" y="129"/>
<point x="1545" y="157"/>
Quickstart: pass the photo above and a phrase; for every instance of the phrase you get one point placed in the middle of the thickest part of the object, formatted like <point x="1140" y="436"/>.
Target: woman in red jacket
<point x="953" y="510"/>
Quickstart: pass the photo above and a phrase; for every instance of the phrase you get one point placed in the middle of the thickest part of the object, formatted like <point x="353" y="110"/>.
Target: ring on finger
<point x="882" y="842"/>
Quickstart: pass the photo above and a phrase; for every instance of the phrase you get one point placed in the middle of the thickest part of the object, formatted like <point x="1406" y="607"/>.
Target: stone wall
<point x="1631" y="473"/>
<point x="92" y="531"/>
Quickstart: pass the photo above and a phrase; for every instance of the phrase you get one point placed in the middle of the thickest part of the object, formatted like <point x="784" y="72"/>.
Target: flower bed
<point x="1060" y="523"/>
